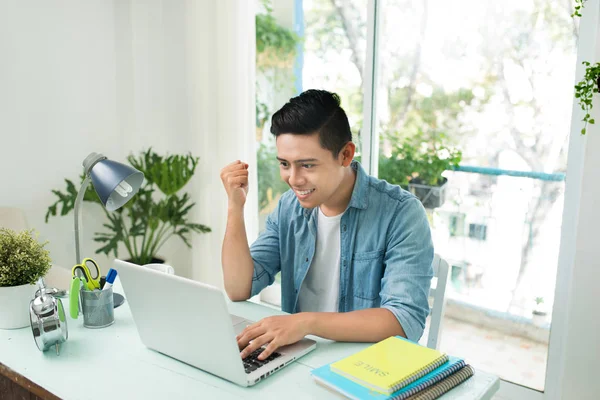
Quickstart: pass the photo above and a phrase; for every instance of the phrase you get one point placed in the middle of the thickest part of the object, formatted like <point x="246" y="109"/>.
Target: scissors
<point x="89" y="270"/>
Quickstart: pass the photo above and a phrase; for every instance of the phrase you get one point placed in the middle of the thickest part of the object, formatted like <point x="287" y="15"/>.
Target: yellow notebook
<point x="389" y="365"/>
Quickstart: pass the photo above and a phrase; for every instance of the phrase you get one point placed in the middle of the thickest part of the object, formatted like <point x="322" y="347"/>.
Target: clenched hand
<point x="235" y="181"/>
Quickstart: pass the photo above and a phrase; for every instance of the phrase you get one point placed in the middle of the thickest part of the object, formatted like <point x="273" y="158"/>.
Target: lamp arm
<point x="76" y="208"/>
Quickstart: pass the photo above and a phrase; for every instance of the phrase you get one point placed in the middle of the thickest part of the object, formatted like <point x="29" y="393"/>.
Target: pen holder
<point x="97" y="307"/>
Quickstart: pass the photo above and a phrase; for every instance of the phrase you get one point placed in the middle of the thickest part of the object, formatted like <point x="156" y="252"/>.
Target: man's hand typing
<point x="277" y="331"/>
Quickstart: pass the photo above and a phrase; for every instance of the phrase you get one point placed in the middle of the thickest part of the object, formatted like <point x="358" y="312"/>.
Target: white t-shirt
<point x="321" y="287"/>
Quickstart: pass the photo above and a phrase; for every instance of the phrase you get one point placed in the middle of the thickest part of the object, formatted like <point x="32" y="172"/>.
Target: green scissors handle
<point x="89" y="270"/>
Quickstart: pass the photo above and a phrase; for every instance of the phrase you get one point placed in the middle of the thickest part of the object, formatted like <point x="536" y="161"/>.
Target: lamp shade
<point x="115" y="183"/>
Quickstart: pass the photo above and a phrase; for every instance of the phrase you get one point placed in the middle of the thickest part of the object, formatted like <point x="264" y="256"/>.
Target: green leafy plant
<point x="23" y="260"/>
<point x="275" y="45"/>
<point x="578" y="7"/>
<point x="413" y="159"/>
<point x="585" y="89"/>
<point x="154" y="215"/>
<point x="539" y="309"/>
<point x="590" y="84"/>
<point x="270" y="183"/>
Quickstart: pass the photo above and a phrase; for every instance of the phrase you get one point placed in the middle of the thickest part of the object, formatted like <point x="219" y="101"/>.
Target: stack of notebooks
<point x="394" y="368"/>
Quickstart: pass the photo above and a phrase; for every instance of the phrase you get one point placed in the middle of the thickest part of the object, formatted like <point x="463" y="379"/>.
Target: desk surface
<point x="121" y="367"/>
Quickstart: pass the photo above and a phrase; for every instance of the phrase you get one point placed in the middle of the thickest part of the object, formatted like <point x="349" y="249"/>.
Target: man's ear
<point x="347" y="154"/>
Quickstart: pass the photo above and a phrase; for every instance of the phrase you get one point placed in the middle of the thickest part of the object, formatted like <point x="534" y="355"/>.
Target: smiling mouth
<point x="304" y="192"/>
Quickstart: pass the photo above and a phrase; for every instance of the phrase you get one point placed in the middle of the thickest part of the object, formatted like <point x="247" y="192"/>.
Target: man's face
<point x="310" y="170"/>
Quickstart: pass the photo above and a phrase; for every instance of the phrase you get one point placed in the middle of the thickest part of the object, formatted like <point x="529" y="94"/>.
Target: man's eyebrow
<point x="304" y="160"/>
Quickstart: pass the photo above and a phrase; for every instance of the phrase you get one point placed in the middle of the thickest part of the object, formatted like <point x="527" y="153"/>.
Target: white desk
<point x="118" y="366"/>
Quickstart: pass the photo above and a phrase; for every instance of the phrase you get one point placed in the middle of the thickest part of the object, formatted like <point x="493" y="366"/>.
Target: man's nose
<point x="296" y="177"/>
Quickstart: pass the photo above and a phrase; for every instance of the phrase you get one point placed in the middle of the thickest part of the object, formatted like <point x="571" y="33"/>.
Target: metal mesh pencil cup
<point x="97" y="307"/>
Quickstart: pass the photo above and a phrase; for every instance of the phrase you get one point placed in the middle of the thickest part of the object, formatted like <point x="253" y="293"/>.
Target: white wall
<point x="117" y="77"/>
<point x="57" y="104"/>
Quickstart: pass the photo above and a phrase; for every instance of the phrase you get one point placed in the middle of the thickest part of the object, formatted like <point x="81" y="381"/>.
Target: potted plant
<point x="538" y="315"/>
<point x="158" y="211"/>
<point x="418" y="165"/>
<point x="23" y="260"/>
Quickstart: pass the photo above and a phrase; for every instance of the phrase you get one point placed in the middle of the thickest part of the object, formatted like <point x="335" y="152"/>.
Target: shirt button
<point x="344" y="228"/>
<point x="306" y="259"/>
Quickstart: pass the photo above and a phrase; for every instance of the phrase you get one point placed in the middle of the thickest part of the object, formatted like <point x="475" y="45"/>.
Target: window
<point x="491" y="79"/>
<point x="494" y="80"/>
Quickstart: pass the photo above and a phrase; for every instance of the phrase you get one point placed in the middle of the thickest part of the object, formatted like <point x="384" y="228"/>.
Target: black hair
<point x="315" y="111"/>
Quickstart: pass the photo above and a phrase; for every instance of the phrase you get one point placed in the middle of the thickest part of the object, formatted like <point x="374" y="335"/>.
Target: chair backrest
<point x="13" y="218"/>
<point x="438" y="293"/>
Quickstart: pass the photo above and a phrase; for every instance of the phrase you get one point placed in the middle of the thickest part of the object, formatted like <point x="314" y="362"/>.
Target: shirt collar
<point x="360" y="193"/>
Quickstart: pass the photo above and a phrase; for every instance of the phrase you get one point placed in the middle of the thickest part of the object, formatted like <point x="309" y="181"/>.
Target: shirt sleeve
<point x="408" y="271"/>
<point x="265" y="254"/>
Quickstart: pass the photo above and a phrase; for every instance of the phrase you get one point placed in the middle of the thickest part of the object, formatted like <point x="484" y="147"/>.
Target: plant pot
<point x="430" y="196"/>
<point x="155" y="260"/>
<point x="539" y="318"/>
<point x="14" y="309"/>
<point x="159" y="264"/>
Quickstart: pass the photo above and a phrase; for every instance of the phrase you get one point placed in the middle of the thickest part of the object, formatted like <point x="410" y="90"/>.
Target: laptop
<point x="189" y="321"/>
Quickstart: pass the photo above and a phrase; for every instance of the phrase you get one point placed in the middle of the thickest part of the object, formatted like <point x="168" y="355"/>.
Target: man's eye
<point x="308" y="165"/>
<point x="283" y="164"/>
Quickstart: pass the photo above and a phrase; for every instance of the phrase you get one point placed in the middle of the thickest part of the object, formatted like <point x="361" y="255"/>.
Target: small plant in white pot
<point x="539" y="314"/>
<point x="23" y="260"/>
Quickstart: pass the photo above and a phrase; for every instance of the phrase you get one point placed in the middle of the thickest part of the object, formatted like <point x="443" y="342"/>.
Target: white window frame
<point x="369" y="135"/>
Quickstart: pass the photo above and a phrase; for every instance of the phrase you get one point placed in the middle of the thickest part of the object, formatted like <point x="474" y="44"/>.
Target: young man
<point x="354" y="252"/>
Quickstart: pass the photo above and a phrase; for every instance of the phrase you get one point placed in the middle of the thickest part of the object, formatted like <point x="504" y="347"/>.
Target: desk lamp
<point x="115" y="184"/>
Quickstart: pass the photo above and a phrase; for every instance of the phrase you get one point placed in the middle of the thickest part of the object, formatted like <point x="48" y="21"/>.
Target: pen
<point x="110" y="279"/>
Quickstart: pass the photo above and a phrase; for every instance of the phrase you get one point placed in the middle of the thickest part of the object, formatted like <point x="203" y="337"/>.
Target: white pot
<point x="14" y="305"/>
<point x="539" y="318"/>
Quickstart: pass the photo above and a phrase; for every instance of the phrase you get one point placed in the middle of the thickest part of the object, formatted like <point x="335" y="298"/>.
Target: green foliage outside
<point x="23" y="260"/>
<point x="275" y="45"/>
<point x="155" y="214"/>
<point x="414" y="158"/>
<point x="270" y="183"/>
<point x="276" y="48"/>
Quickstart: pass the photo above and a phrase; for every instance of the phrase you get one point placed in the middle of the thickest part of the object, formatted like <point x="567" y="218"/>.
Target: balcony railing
<point x="500" y="231"/>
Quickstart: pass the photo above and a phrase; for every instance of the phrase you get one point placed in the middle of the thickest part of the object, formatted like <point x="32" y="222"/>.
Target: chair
<point x="437" y="293"/>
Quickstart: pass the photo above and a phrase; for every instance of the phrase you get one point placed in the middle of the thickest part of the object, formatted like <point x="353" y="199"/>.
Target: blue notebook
<point x="350" y="389"/>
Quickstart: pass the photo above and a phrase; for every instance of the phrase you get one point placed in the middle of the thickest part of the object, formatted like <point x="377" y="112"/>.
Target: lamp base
<point x="118" y="299"/>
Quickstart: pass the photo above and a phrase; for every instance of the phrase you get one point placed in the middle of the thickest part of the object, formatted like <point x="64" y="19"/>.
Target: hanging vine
<point x="590" y="84"/>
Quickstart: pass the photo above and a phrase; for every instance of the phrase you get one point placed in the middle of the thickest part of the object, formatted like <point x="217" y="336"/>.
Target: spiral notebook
<point x="389" y="365"/>
<point x="325" y="377"/>
<point x="445" y="385"/>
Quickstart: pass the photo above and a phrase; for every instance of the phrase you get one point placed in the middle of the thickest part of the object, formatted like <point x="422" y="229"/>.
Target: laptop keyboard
<point x="252" y="363"/>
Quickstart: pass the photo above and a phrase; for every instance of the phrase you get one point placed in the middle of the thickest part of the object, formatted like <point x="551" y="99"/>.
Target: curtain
<point x="221" y="74"/>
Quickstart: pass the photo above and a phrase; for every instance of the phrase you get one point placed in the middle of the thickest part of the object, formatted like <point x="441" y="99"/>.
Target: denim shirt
<point x="386" y="252"/>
